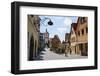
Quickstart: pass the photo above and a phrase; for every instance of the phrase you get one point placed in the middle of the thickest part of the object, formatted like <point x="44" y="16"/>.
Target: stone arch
<point x="31" y="48"/>
<point x="35" y="48"/>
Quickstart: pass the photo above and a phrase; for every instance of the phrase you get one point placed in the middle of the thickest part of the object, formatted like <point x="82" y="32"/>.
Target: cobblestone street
<point x="50" y="55"/>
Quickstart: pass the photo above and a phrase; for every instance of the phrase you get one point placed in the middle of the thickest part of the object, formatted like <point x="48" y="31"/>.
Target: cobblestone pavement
<point x="50" y="55"/>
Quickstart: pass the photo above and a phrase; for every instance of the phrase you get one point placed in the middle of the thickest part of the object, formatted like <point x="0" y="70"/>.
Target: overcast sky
<point x="61" y="25"/>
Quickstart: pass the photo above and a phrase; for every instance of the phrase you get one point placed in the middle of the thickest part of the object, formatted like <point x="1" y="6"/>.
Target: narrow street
<point x="50" y="55"/>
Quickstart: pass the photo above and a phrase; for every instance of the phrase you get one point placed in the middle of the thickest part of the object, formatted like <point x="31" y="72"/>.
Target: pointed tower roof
<point x="46" y="31"/>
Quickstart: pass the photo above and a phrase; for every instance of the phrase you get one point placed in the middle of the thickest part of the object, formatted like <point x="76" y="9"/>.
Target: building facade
<point x="67" y="40"/>
<point x="41" y="41"/>
<point x="33" y="36"/>
<point x="73" y="39"/>
<point x="50" y="42"/>
<point x="82" y="35"/>
<point x="46" y="37"/>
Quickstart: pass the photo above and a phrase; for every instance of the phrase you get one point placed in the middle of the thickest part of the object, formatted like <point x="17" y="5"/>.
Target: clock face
<point x="46" y="34"/>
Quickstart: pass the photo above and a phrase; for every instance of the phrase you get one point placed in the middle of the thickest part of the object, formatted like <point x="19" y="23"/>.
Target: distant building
<point x="56" y="43"/>
<point x="33" y="36"/>
<point x="42" y="41"/>
<point x="73" y="39"/>
<point x="46" y="37"/>
<point x="67" y="35"/>
<point x="50" y="42"/>
<point x="67" y="43"/>
<point x="64" y="46"/>
<point x="64" y="43"/>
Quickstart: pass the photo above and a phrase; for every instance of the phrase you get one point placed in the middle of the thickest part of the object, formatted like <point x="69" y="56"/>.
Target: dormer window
<point x="82" y="20"/>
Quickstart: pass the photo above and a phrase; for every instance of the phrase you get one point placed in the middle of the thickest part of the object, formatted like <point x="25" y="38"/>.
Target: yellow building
<point x="73" y="39"/>
<point x="82" y="35"/>
<point x="33" y="36"/>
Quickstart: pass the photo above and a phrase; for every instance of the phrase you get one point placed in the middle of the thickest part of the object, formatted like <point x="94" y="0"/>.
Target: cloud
<point x="61" y="29"/>
<point x="68" y="21"/>
<point x="67" y="24"/>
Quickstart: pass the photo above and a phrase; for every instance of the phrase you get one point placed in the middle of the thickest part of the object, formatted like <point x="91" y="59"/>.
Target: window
<point x="82" y="20"/>
<point x="79" y="33"/>
<point x="82" y="31"/>
<point x="86" y="30"/>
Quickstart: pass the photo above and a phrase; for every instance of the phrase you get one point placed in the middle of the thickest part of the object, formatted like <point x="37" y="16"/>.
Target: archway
<point x="31" y="48"/>
<point x="35" y="49"/>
